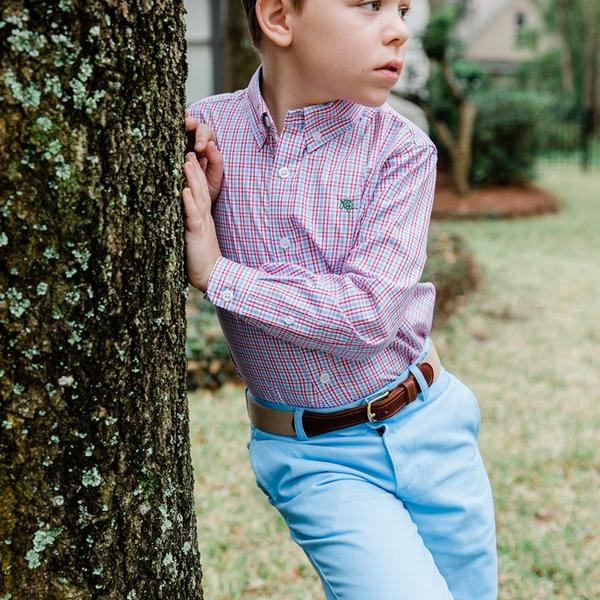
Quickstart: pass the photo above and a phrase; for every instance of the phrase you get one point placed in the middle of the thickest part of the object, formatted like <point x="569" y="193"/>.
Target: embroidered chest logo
<point x="346" y="204"/>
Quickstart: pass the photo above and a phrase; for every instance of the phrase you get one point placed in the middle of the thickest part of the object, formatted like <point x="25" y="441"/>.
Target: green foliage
<point x="507" y="136"/>
<point x="207" y="352"/>
<point x="469" y="76"/>
<point x="561" y="125"/>
<point x="451" y="266"/>
<point x="542" y="73"/>
<point x="569" y="21"/>
<point x="510" y="129"/>
<point x="437" y="38"/>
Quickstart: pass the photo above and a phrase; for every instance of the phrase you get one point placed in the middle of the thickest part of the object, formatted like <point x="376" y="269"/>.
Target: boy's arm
<point x="357" y="312"/>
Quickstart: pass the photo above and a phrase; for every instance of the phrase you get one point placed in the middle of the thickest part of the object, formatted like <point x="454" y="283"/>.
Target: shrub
<point x="507" y="137"/>
<point x="207" y="352"/>
<point x="452" y="268"/>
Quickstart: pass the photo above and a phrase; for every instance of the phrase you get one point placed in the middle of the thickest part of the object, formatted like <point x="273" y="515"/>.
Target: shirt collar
<point x="320" y="122"/>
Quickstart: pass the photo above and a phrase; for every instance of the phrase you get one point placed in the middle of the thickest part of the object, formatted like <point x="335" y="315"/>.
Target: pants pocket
<point x="261" y="482"/>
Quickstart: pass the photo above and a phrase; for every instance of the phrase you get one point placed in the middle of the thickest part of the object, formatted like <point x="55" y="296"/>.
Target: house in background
<point x="499" y="34"/>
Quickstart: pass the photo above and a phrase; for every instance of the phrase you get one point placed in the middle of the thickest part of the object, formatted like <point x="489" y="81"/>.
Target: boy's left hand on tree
<point x="201" y="139"/>
<point x="201" y="244"/>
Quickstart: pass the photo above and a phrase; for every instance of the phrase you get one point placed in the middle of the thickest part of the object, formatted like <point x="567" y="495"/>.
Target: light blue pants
<point x="403" y="513"/>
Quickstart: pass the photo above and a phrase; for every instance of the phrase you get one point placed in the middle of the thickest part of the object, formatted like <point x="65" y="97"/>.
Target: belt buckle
<point x="370" y="414"/>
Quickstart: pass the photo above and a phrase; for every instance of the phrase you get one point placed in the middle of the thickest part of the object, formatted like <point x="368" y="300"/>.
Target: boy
<point x="306" y="226"/>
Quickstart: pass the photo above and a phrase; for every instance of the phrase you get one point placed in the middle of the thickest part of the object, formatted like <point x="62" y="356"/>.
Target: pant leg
<point x="357" y="534"/>
<point x="419" y="491"/>
<point x="450" y="500"/>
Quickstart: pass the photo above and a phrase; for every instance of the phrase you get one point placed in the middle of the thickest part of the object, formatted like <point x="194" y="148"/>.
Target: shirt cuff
<point x="228" y="284"/>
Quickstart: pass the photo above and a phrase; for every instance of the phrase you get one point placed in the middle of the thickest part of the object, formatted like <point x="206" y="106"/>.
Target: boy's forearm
<point x="327" y="312"/>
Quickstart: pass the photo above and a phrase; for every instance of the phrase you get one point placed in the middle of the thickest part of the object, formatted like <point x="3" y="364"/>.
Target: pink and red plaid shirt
<point x="323" y="233"/>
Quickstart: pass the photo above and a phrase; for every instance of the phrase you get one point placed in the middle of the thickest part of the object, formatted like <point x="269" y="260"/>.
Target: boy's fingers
<point x="191" y="209"/>
<point x="192" y="180"/>
<point x="198" y="134"/>
<point x="204" y="134"/>
<point x="215" y="162"/>
<point x="190" y="123"/>
<point x="195" y="182"/>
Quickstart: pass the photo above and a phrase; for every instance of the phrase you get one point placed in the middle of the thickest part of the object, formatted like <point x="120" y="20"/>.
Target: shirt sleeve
<point x="358" y="311"/>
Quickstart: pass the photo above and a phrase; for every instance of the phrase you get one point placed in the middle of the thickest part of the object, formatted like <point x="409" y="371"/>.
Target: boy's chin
<point x="374" y="102"/>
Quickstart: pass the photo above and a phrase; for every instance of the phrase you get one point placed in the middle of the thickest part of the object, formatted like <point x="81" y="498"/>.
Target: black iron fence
<point x="572" y="138"/>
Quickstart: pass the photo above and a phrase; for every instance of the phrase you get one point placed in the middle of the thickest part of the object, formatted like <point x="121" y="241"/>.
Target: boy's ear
<point x="273" y="18"/>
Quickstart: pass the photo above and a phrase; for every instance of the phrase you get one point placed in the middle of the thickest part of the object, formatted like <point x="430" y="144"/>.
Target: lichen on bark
<point x="93" y="413"/>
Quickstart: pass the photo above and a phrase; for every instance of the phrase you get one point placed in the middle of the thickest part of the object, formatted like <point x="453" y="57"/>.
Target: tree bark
<point x="461" y="163"/>
<point x="568" y="63"/>
<point x="591" y="49"/>
<point x="96" y="480"/>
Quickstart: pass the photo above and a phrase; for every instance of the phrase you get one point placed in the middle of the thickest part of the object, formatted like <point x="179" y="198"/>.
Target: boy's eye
<point x="377" y="6"/>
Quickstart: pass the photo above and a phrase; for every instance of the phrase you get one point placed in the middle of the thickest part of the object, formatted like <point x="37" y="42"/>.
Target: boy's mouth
<point x="393" y="65"/>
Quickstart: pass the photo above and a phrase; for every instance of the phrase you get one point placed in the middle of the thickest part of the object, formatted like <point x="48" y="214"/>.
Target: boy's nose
<point x="395" y="29"/>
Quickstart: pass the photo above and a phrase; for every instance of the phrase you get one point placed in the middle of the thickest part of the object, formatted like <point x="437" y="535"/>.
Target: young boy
<point x="306" y="226"/>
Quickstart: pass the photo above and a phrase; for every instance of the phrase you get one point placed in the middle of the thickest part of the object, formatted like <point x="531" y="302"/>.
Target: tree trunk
<point x="241" y="60"/>
<point x="591" y="62"/>
<point x="568" y="63"/>
<point x="96" y="481"/>
<point x="461" y="163"/>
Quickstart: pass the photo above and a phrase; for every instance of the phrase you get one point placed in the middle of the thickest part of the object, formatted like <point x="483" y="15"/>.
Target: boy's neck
<point x="278" y="87"/>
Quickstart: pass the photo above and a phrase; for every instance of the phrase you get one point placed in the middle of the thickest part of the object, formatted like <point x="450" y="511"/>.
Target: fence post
<point x="587" y="131"/>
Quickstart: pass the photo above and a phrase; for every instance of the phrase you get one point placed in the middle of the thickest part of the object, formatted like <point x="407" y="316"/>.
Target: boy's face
<point x="338" y="45"/>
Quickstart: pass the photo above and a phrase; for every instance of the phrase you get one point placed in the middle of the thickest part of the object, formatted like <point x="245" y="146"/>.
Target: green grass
<point x="527" y="344"/>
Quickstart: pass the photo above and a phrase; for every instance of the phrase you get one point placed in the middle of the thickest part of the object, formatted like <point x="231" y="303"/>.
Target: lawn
<point x="527" y="343"/>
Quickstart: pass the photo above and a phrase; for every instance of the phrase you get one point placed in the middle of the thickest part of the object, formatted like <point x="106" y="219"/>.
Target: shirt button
<point x="325" y="377"/>
<point x="284" y="172"/>
<point x="317" y="136"/>
<point x="227" y="295"/>
<point x="284" y="242"/>
<point x="288" y="320"/>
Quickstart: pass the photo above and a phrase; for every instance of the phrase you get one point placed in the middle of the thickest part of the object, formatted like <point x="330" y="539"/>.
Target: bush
<point x="507" y="136"/>
<point x="207" y="352"/>
<point x="452" y="268"/>
<point x="562" y="124"/>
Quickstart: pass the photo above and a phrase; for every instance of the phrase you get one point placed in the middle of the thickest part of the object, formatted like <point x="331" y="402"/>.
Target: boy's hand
<point x="201" y="140"/>
<point x="201" y="245"/>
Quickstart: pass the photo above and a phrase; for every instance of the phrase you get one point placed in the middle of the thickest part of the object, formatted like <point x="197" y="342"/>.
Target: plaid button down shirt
<point x="323" y="232"/>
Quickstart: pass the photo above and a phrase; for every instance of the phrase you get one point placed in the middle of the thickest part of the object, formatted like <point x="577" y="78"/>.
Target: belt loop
<point x="421" y="380"/>
<point x="300" y="433"/>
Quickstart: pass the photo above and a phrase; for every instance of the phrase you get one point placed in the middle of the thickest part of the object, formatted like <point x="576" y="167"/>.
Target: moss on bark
<point x="96" y="484"/>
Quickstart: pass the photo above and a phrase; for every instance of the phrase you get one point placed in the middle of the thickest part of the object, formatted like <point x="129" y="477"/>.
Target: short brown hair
<point x="253" y="26"/>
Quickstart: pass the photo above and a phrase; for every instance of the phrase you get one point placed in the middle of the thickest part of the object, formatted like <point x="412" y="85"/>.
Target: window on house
<point x="525" y="36"/>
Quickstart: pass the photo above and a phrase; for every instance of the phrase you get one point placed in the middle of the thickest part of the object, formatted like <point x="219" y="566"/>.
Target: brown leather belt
<point x="380" y="407"/>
